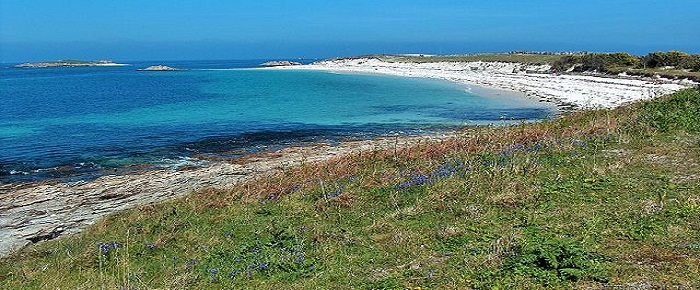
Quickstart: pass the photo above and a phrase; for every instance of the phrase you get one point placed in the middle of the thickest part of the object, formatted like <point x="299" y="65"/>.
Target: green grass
<point x="666" y="73"/>
<point x="592" y="199"/>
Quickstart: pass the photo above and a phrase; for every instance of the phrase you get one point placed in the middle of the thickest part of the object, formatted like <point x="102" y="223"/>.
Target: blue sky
<point x="33" y="30"/>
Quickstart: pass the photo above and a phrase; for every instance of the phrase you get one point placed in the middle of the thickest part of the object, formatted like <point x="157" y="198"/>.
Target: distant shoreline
<point x="68" y="63"/>
<point x="568" y="91"/>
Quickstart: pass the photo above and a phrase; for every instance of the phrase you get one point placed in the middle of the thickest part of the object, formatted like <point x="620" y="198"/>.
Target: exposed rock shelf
<point x="280" y="63"/>
<point x="160" y="68"/>
<point x="30" y="213"/>
<point x="68" y="63"/>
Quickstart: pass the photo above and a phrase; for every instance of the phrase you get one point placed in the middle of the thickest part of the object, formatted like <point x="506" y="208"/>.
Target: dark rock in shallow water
<point x="160" y="68"/>
<point x="280" y="63"/>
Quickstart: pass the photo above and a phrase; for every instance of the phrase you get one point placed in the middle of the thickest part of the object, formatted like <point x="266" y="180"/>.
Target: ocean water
<point x="80" y="123"/>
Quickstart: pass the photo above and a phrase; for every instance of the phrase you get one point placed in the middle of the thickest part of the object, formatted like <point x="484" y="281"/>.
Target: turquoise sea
<point x="80" y="123"/>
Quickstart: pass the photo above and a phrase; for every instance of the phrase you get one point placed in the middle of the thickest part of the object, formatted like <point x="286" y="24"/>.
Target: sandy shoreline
<point x="34" y="212"/>
<point x="568" y="91"/>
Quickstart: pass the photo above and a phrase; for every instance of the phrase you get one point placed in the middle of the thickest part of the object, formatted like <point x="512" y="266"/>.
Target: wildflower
<point x="150" y="246"/>
<point x="335" y="193"/>
<point x="535" y="148"/>
<point x="295" y="188"/>
<point x="263" y="266"/>
<point x="106" y="248"/>
<point x="190" y="263"/>
<point x="214" y="271"/>
<point x="579" y="143"/>
<point x="444" y="170"/>
<point x="403" y="185"/>
<point x="420" y="179"/>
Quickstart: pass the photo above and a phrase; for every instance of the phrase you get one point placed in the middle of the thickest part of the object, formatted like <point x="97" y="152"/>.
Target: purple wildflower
<point x="579" y="143"/>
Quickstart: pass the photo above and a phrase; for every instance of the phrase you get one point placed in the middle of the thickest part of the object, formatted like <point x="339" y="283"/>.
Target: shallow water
<point x="79" y="123"/>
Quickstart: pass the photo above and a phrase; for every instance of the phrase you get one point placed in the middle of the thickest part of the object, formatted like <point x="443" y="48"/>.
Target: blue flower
<point x="579" y="143"/>
<point x="106" y="248"/>
<point x="420" y="179"/>
<point x="214" y="271"/>
<point x="335" y="193"/>
<point x="263" y="266"/>
<point x="190" y="263"/>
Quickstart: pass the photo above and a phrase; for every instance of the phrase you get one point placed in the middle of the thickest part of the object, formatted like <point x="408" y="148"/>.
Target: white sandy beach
<point x="576" y="91"/>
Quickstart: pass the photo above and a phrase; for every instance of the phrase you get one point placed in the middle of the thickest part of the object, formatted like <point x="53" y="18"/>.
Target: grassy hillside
<point x="592" y="199"/>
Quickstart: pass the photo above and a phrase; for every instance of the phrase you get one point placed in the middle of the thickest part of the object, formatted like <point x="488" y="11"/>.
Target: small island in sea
<point x="160" y="68"/>
<point x="279" y="63"/>
<point x="69" y="63"/>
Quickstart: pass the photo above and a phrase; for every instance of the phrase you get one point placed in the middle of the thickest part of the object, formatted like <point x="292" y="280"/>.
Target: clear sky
<point x="34" y="30"/>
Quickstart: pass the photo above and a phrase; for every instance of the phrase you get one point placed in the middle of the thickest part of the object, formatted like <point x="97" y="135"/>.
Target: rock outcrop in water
<point x="160" y="68"/>
<point x="68" y="63"/>
<point x="280" y="63"/>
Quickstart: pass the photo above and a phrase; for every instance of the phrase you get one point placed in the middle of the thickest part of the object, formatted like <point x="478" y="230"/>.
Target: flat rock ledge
<point x="68" y="63"/>
<point x="35" y="212"/>
<point x="280" y="63"/>
<point x="160" y="68"/>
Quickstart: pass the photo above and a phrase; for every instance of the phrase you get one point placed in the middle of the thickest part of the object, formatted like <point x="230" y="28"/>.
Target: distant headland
<point x="69" y="63"/>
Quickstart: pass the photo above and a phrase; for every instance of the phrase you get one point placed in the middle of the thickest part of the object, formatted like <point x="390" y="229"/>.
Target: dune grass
<point x="528" y="58"/>
<point x="589" y="200"/>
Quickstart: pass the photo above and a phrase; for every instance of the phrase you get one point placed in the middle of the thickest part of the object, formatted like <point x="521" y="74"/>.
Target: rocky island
<point x="160" y="68"/>
<point x="280" y="63"/>
<point x="68" y="63"/>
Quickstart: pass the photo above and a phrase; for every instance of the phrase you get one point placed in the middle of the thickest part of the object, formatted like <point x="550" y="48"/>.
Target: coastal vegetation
<point x="672" y="64"/>
<point x="591" y="199"/>
<point x="528" y="58"/>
